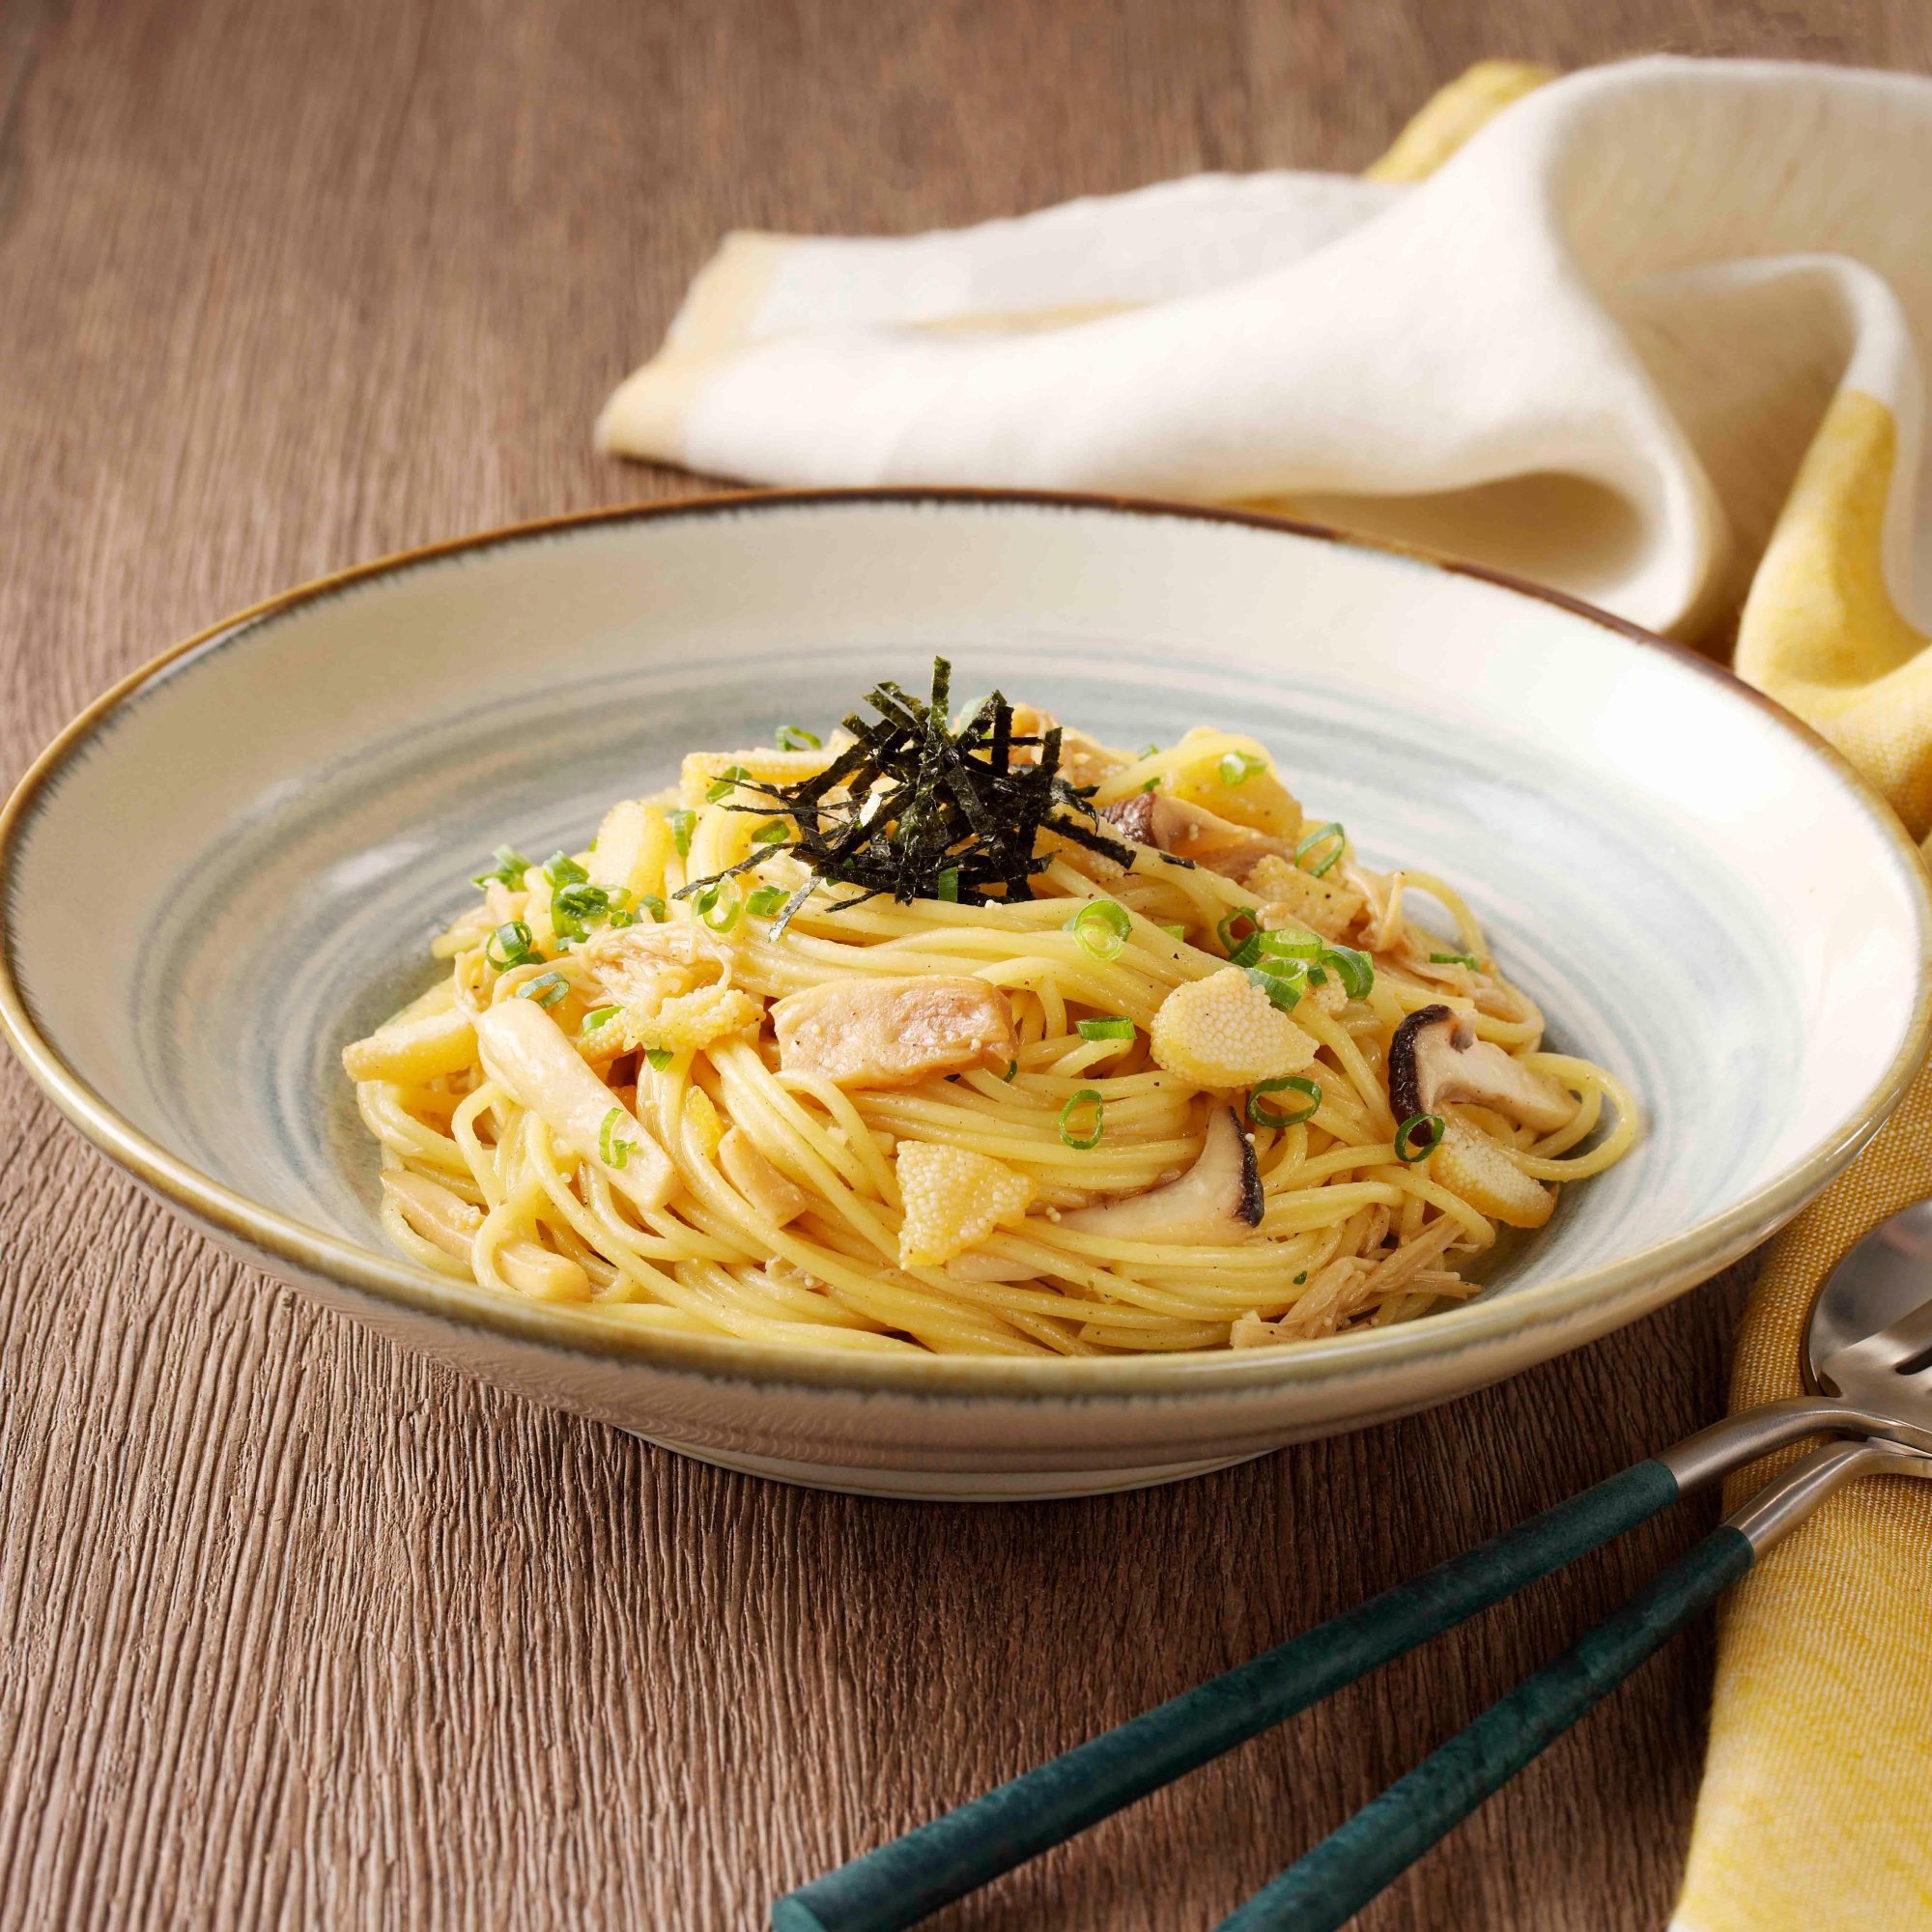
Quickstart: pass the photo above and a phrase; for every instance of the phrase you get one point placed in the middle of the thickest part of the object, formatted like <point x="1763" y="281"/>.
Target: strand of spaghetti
<point x="1349" y="1056"/>
<point x="850" y="1122"/>
<point x="753" y="1293"/>
<point x="1589" y="1111"/>
<point x="1293" y="1212"/>
<point x="594" y="1229"/>
<point x="699" y="1295"/>
<point x="386" y="1116"/>
<point x="413" y="1244"/>
<point x="486" y="1098"/>
<point x="1467" y="930"/>
<point x="1612" y="1148"/>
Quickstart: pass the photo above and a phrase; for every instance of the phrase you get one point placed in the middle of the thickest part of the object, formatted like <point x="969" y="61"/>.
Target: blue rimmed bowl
<point x="1696" y="890"/>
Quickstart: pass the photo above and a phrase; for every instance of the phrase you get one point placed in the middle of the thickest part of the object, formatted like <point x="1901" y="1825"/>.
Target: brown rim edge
<point x="725" y="1359"/>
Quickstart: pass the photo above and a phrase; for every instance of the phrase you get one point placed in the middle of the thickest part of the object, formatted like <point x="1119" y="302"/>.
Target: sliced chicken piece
<point x="673" y="985"/>
<point x="894" y="1032"/>
<point x="643" y="966"/>
<point x="1435" y="1058"/>
<point x="1218" y="1198"/>
<point x="1190" y="831"/>
<point x="535" y="1062"/>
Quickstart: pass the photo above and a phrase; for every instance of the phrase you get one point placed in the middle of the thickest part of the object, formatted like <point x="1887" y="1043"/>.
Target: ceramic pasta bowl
<point x="1696" y="891"/>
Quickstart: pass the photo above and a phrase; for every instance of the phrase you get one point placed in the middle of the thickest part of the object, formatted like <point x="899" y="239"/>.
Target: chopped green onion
<point x="1243" y="948"/>
<point x="1355" y="970"/>
<point x="660" y="1057"/>
<point x="1081" y="1099"/>
<point x="1467" y="959"/>
<point x="1413" y="1154"/>
<point x="765" y="901"/>
<point x="1238" y="767"/>
<point x="572" y="908"/>
<point x="1290" y="943"/>
<point x="726" y="784"/>
<point x="561" y="870"/>
<point x="650" y="903"/>
<point x="1153" y="784"/>
<point x="1148" y="750"/>
<point x="770" y="832"/>
<point x="947" y="886"/>
<point x="720" y="893"/>
<point x="508" y="871"/>
<point x="610" y="1151"/>
<point x="681" y="821"/>
<point x="1114" y="1027"/>
<point x="1101" y="927"/>
<point x="1269" y="1117"/>
<point x="1012" y="1073"/>
<point x="1175" y="932"/>
<point x="1301" y="1278"/>
<point x="1322" y="834"/>
<point x="1283" y="988"/>
<point x="512" y="944"/>
<point x="546" y="989"/>
<point x="796" y="738"/>
<point x="600" y="1017"/>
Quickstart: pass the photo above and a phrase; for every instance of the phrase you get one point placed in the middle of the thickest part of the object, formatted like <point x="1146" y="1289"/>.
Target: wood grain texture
<point x="296" y="1631"/>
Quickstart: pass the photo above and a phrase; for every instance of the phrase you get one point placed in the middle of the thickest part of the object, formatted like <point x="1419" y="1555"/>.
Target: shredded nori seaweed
<point x="917" y="799"/>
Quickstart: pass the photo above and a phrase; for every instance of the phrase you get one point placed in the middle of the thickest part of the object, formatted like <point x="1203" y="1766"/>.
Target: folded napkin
<point x="1651" y="333"/>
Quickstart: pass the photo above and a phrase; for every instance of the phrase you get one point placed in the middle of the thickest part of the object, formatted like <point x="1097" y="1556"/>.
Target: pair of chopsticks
<point x="901" y="1882"/>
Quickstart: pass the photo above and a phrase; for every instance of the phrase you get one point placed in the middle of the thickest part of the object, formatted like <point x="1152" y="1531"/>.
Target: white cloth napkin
<point x="1592" y="346"/>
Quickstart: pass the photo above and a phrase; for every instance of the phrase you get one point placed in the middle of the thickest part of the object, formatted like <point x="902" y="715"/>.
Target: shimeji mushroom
<point x="534" y="1060"/>
<point x="1218" y="1198"/>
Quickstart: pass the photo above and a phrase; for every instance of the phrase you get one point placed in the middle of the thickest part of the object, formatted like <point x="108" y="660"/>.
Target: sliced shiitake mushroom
<point x="1436" y="1058"/>
<point x="1191" y="832"/>
<point x="1218" y="1198"/>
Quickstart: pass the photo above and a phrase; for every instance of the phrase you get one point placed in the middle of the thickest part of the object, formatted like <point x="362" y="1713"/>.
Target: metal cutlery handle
<point x="1349" y="1867"/>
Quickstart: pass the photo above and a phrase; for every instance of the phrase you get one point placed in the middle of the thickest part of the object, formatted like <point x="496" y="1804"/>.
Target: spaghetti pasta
<point x="973" y="1037"/>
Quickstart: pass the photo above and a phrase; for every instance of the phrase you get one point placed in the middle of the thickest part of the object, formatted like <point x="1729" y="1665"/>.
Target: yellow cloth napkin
<point x="1816" y="1808"/>
<point x="1690" y="289"/>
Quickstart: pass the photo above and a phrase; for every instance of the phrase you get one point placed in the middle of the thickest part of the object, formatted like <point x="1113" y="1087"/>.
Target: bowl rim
<point x="1706" y="1244"/>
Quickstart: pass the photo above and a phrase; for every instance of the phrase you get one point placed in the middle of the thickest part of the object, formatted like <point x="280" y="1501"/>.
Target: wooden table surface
<point x="296" y="1631"/>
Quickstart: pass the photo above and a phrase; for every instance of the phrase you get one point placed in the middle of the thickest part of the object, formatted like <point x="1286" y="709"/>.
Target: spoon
<point x="1867" y="1358"/>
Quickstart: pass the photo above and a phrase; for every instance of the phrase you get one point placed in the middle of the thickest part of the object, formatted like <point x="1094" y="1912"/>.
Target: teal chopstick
<point x="900" y="1883"/>
<point x="1356" y="1862"/>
